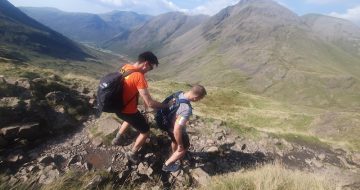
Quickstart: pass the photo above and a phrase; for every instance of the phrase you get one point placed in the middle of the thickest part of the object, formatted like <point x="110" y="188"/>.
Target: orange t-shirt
<point x="132" y="83"/>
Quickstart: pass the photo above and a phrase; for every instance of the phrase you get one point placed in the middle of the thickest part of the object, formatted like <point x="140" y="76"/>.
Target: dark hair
<point x="199" y="90"/>
<point x="148" y="56"/>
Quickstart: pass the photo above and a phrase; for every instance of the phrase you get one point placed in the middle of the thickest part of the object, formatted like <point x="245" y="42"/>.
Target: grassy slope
<point x="243" y="110"/>
<point x="269" y="177"/>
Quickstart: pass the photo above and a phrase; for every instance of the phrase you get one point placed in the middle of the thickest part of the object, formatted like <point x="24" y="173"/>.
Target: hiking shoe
<point x="118" y="140"/>
<point x="132" y="157"/>
<point x="171" y="167"/>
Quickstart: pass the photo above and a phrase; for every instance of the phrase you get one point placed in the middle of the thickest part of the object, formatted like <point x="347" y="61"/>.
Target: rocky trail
<point x="58" y="135"/>
<point x="215" y="150"/>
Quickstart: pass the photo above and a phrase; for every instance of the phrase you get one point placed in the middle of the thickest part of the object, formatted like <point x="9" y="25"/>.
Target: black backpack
<point x="109" y="93"/>
<point x="164" y="117"/>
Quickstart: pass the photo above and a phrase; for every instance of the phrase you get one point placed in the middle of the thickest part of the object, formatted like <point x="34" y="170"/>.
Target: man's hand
<point x="145" y="95"/>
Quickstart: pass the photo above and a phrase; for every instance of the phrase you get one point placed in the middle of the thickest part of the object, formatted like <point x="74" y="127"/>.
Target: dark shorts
<point x="137" y="120"/>
<point x="185" y="139"/>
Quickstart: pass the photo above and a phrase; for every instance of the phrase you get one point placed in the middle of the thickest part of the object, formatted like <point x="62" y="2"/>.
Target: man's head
<point x="147" y="60"/>
<point x="196" y="93"/>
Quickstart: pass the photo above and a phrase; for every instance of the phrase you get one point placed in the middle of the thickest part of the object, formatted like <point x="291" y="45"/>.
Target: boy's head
<point x="196" y="93"/>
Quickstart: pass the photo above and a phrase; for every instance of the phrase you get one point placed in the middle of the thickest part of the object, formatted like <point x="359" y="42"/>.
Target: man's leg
<point x="123" y="128"/>
<point x="140" y="140"/>
<point x="120" y="135"/>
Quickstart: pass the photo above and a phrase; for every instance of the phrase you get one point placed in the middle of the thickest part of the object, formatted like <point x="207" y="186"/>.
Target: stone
<point x="33" y="168"/>
<point x="2" y="79"/>
<point x="23" y="82"/>
<point x="317" y="163"/>
<point x="29" y="131"/>
<point x="145" y="170"/>
<point x="212" y="149"/>
<point x="200" y="176"/>
<point x="94" y="183"/>
<point x="87" y="166"/>
<point x="76" y="142"/>
<point x="10" y="132"/>
<point x="108" y="126"/>
<point x="39" y="80"/>
<point x="46" y="160"/>
<point x="356" y="158"/>
<point x="210" y="142"/>
<point x="92" y="101"/>
<point x="49" y="176"/>
<point x="75" y="159"/>
<point x="97" y="142"/>
<point x="14" y="158"/>
<point x="321" y="156"/>
<point x="55" y="97"/>
<point x="11" y="102"/>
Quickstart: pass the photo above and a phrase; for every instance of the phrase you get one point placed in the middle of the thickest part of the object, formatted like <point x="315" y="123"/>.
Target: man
<point x="135" y="84"/>
<point x="177" y="132"/>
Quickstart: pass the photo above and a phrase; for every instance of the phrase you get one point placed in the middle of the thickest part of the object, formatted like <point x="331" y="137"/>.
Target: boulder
<point x="212" y="149"/>
<point x="108" y="126"/>
<point x="11" y="102"/>
<point x="94" y="182"/>
<point x="29" y="131"/>
<point x="356" y="158"/>
<point x="49" y="176"/>
<point x="10" y="132"/>
<point x="55" y="97"/>
<point x="24" y="83"/>
<point x="145" y="170"/>
<point x="2" y="79"/>
<point x="200" y="176"/>
<point x="15" y="158"/>
<point x="46" y="160"/>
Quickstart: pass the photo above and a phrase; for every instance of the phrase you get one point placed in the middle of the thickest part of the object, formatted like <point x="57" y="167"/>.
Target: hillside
<point x="340" y="32"/>
<point x="22" y="35"/>
<point x="264" y="48"/>
<point x="154" y="34"/>
<point x="86" y="27"/>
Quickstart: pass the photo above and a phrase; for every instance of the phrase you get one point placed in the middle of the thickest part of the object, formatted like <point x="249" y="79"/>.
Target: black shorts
<point x="137" y="120"/>
<point x="185" y="139"/>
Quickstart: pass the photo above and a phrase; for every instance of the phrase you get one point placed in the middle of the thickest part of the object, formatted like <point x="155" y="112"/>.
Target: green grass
<point x="269" y="177"/>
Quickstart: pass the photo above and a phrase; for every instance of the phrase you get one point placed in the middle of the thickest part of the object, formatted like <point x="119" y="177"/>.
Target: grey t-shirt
<point x="184" y="110"/>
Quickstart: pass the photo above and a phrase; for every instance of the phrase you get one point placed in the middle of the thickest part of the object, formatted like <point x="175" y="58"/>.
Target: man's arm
<point x="144" y="93"/>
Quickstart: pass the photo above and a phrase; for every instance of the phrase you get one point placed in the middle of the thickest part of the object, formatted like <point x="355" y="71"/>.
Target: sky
<point x="347" y="9"/>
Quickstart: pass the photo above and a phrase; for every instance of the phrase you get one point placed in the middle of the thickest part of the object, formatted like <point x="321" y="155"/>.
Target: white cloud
<point x="323" y="1"/>
<point x="212" y="7"/>
<point x="156" y="7"/>
<point x="352" y="14"/>
<point x="153" y="7"/>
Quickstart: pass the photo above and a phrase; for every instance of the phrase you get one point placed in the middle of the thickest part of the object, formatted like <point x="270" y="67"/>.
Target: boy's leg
<point x="173" y="146"/>
<point x="177" y="155"/>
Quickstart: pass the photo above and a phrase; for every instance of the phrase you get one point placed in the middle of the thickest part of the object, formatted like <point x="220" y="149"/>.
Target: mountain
<point x="154" y="33"/>
<point x="342" y="33"/>
<point x="124" y="19"/>
<point x="21" y="35"/>
<point x="86" y="27"/>
<point x="262" y="47"/>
